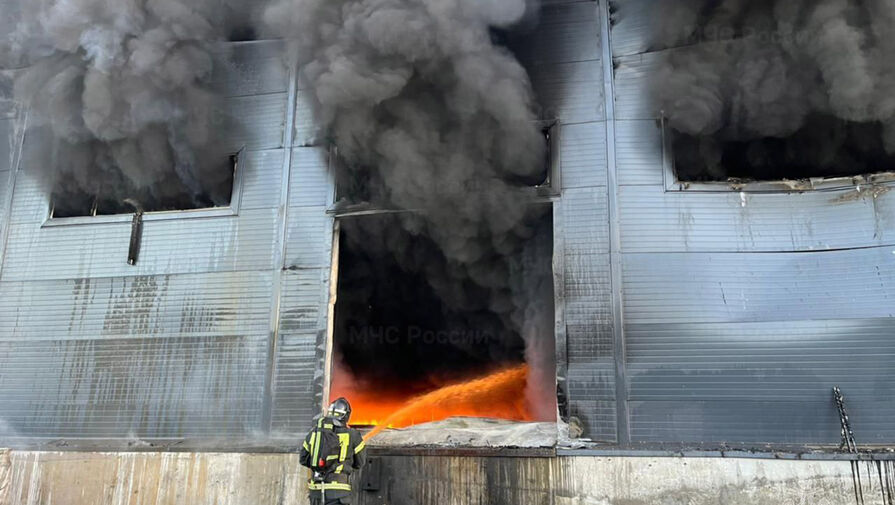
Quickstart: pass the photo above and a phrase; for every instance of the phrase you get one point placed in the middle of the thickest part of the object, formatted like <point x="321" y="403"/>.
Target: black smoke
<point x="119" y="97"/>
<point x="776" y="88"/>
<point x="429" y="115"/>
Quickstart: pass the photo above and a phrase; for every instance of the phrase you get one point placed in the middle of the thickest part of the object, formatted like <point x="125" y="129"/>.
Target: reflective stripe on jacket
<point x="352" y="456"/>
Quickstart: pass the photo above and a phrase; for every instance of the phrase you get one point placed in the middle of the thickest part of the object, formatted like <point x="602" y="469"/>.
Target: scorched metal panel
<point x="654" y="220"/>
<point x="638" y="150"/>
<point x="254" y="122"/>
<point x="302" y="322"/>
<point x="308" y="238"/>
<point x="587" y="311"/>
<point x="262" y="179"/>
<point x="634" y="77"/>
<point x="570" y="92"/>
<point x="633" y="25"/>
<point x="251" y="68"/>
<point x="212" y="244"/>
<point x="309" y="184"/>
<point x="583" y="154"/>
<point x="307" y="132"/>
<point x="566" y="32"/>
<point x="154" y="356"/>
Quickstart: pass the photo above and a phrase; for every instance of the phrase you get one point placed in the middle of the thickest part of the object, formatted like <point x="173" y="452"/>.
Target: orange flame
<point x="499" y="395"/>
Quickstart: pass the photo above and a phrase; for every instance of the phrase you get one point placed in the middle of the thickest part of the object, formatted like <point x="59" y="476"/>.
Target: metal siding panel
<point x="654" y="220"/>
<point x="250" y="68"/>
<point x="309" y="184"/>
<point x="597" y="416"/>
<point x="5" y="180"/>
<point x="795" y="360"/>
<point x="262" y="179"/>
<point x="214" y="244"/>
<point x="155" y="356"/>
<point x="736" y="287"/>
<point x="735" y="421"/>
<point x="633" y="23"/>
<point x="588" y="308"/>
<point x="30" y="203"/>
<point x="7" y="139"/>
<point x="303" y="318"/>
<point x="566" y="32"/>
<point x="570" y="92"/>
<point x="585" y="229"/>
<point x="583" y="155"/>
<point x="639" y="153"/>
<point x="884" y="218"/>
<point x="255" y="122"/>
<point x="307" y="132"/>
<point x="587" y="311"/>
<point x="308" y="237"/>
<point x="633" y="80"/>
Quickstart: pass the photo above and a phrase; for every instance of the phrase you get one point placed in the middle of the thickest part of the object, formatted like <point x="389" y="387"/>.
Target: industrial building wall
<point x="182" y="344"/>
<point x="8" y="137"/>
<point x="739" y="311"/>
<point x="743" y="310"/>
<point x="567" y="69"/>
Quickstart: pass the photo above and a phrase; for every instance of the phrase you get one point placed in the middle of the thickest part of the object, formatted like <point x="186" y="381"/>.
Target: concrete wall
<point x="32" y="478"/>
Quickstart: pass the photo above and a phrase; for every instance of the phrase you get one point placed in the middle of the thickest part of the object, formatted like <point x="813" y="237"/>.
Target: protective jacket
<point x="351" y="457"/>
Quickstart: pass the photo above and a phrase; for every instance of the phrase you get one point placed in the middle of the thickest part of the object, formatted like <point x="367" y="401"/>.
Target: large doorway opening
<point x="410" y="324"/>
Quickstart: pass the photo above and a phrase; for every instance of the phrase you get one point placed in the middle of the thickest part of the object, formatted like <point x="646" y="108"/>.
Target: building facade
<point x="708" y="316"/>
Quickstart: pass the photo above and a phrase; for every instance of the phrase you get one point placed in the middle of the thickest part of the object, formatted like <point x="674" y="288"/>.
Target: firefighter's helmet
<point x="340" y="410"/>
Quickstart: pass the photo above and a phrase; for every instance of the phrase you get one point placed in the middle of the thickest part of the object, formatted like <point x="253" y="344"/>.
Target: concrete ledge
<point x="69" y="478"/>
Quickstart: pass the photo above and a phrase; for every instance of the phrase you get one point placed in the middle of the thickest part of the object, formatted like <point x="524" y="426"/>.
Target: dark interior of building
<point x="824" y="147"/>
<point x="409" y="321"/>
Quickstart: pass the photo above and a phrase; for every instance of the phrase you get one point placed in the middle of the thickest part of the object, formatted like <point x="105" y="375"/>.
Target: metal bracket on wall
<point x="133" y="252"/>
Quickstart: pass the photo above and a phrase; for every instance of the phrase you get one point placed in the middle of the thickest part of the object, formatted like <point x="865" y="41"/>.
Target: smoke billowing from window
<point x="118" y="96"/>
<point x="804" y="84"/>
<point x="435" y="118"/>
<point x="413" y="91"/>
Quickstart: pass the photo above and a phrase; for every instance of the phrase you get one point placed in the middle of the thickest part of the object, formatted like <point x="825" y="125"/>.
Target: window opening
<point x="69" y="202"/>
<point x="830" y="148"/>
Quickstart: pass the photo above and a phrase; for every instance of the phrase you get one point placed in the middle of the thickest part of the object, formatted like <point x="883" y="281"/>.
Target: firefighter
<point x="332" y="451"/>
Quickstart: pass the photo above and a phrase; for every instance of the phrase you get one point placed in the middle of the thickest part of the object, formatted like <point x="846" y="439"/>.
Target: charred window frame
<point x="674" y="184"/>
<point x="552" y="185"/>
<point x="547" y="188"/>
<point x="232" y="209"/>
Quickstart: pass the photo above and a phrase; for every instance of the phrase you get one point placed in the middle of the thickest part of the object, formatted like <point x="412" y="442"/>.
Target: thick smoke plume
<point x="803" y="83"/>
<point x="429" y="115"/>
<point x="118" y="96"/>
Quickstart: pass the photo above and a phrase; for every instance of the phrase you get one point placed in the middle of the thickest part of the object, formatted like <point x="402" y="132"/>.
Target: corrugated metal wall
<point x="180" y="345"/>
<point x="742" y="311"/>
<point x="566" y="66"/>
<point x="739" y="311"/>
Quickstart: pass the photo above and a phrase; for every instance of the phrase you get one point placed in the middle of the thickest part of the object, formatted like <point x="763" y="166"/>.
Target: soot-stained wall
<point x="702" y="318"/>
<point x="743" y="310"/>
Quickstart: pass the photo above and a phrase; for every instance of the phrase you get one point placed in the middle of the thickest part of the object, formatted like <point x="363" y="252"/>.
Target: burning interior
<point x="416" y="339"/>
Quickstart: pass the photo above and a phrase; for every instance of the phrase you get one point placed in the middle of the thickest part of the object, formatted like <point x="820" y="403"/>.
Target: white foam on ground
<point x="469" y="432"/>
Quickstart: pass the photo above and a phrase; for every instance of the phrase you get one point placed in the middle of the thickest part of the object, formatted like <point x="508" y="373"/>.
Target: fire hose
<point x="457" y="397"/>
